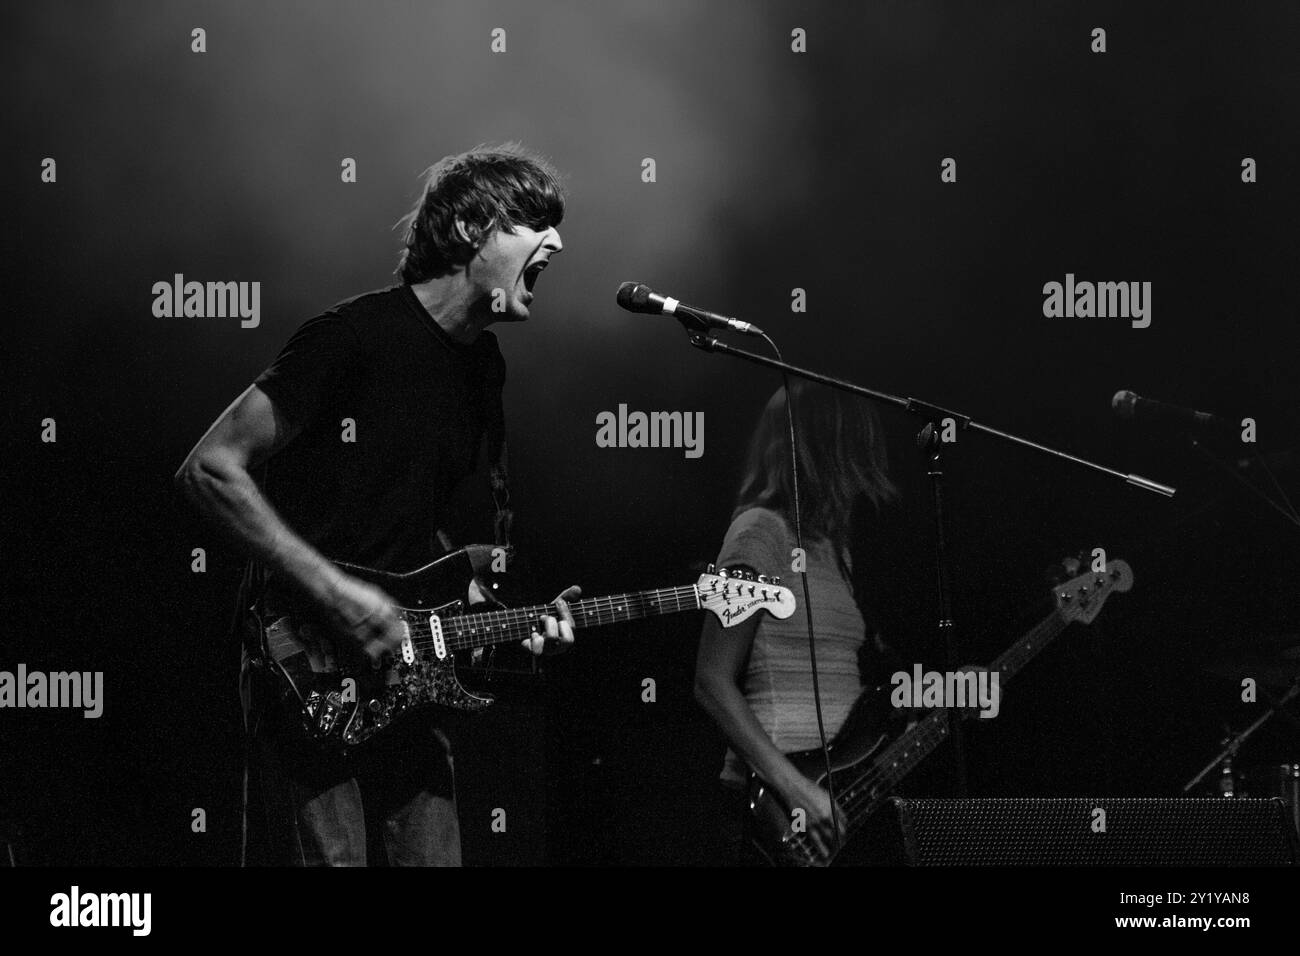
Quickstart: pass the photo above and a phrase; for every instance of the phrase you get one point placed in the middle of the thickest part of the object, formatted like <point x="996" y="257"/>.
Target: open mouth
<point x="532" y="272"/>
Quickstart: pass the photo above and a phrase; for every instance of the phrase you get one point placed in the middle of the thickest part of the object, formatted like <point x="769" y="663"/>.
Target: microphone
<point x="1133" y="406"/>
<point x="639" y="297"/>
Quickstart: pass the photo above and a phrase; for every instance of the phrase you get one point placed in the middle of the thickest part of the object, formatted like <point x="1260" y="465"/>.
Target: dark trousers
<point x="733" y="845"/>
<point x="395" y="806"/>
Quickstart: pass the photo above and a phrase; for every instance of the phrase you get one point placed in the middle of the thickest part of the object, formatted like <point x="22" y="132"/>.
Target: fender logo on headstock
<point x="733" y="610"/>
<point x="733" y="597"/>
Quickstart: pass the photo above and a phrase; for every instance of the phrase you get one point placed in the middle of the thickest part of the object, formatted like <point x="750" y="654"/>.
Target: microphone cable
<point x="807" y="597"/>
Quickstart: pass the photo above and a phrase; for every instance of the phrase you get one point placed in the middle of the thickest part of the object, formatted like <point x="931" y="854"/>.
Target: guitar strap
<point x="499" y="481"/>
<point x="499" y="473"/>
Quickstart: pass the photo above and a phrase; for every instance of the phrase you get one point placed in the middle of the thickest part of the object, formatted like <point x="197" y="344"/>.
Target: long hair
<point x="843" y="463"/>
<point x="487" y="188"/>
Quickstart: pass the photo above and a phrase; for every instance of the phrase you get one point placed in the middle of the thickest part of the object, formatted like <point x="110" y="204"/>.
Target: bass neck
<point x="864" y="793"/>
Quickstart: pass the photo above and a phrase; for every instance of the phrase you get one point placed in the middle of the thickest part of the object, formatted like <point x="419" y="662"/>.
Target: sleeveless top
<point x="777" y="680"/>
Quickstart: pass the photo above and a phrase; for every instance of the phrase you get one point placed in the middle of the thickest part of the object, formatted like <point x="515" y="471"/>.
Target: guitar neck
<point x="869" y="789"/>
<point x="1009" y="663"/>
<point x="516" y="624"/>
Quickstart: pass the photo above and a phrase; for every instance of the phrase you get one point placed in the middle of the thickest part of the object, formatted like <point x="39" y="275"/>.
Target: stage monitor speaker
<point x="1102" y="831"/>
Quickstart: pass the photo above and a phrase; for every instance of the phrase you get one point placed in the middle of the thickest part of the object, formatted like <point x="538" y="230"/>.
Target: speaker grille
<point x="1139" y="831"/>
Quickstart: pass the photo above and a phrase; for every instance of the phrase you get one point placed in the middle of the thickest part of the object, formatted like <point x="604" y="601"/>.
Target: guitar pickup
<point x="324" y="709"/>
<point x="408" y="649"/>
<point x="439" y="645"/>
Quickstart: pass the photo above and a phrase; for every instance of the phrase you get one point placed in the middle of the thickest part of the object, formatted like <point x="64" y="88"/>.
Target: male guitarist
<point x="363" y="427"/>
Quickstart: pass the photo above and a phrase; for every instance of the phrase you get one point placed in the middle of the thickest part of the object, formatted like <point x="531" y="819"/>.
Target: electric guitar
<point x="345" y="703"/>
<point x="867" y="766"/>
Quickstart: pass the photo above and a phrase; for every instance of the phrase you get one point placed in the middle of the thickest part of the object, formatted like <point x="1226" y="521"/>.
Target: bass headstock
<point x="1081" y="597"/>
<point x="735" y="595"/>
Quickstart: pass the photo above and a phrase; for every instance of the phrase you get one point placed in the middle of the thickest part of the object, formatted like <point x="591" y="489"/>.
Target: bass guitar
<point x="866" y="765"/>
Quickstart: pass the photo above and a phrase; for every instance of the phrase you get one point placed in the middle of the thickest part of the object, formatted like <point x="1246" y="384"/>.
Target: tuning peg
<point x="762" y="579"/>
<point x="775" y="580"/>
<point x="708" y="569"/>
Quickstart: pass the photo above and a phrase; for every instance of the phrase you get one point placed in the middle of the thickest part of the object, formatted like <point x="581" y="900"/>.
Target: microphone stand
<point x="1287" y="512"/>
<point x="929" y="444"/>
<point x="1277" y="707"/>
<point x="702" y="336"/>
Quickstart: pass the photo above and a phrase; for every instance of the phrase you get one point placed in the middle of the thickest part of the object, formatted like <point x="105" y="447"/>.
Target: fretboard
<point x="516" y="624"/>
<point x="868" y="789"/>
<point x="1010" y="661"/>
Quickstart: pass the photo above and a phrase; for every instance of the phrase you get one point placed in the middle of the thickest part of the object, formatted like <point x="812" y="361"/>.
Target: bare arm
<point x="215" y="479"/>
<point x="718" y="666"/>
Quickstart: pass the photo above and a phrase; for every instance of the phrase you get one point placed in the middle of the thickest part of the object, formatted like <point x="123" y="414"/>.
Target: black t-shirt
<point x="419" y="406"/>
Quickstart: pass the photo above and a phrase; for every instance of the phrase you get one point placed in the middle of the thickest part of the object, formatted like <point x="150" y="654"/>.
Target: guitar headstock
<point x="735" y="595"/>
<point x="1081" y="597"/>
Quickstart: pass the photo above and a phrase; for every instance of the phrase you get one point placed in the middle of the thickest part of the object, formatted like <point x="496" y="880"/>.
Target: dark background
<point x="775" y="171"/>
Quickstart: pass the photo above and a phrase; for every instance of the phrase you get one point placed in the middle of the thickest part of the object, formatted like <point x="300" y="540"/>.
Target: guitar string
<point x="457" y="635"/>
<point x="604" y="610"/>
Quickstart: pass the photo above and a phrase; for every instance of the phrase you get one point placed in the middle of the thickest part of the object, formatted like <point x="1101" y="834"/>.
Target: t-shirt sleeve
<point x="309" y="366"/>
<point x="757" y="539"/>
